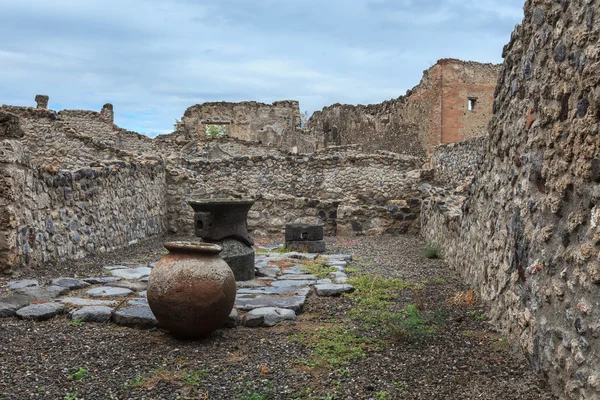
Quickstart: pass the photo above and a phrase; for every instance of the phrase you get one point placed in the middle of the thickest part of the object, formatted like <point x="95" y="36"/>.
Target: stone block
<point x="303" y="232"/>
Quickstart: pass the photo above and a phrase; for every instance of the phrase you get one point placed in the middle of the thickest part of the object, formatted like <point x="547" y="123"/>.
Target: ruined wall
<point x="432" y="113"/>
<point x="274" y="124"/>
<point x="454" y="163"/>
<point x="50" y="214"/>
<point x="528" y="235"/>
<point x="365" y="178"/>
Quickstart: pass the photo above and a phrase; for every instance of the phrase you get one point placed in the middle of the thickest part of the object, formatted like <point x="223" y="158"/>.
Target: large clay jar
<point x="191" y="290"/>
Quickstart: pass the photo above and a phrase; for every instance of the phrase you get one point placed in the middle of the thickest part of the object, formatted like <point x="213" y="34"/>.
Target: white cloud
<point x="154" y="58"/>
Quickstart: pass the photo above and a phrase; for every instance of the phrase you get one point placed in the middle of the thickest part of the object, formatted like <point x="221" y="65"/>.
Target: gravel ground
<point x="464" y="359"/>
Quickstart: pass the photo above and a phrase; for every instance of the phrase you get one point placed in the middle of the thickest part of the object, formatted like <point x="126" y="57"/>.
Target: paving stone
<point x="102" y="280"/>
<point x="323" y="281"/>
<point x="70" y="283"/>
<point x="44" y="293"/>
<point x="248" y="302"/>
<point x="138" y="316"/>
<point x="295" y="270"/>
<point x="152" y="264"/>
<point x="91" y="314"/>
<point x="337" y="274"/>
<point x="270" y="248"/>
<point x="249" y="284"/>
<point x="336" y="263"/>
<point x="292" y="283"/>
<point x="340" y="257"/>
<point x="41" y="312"/>
<point x="261" y="264"/>
<point x="107" y="291"/>
<point x="300" y="277"/>
<point x="333" y="289"/>
<point x="269" y="272"/>
<point x="302" y="256"/>
<point x="141" y="301"/>
<point x="132" y="273"/>
<point x="143" y="294"/>
<point x="268" y="316"/>
<point x="115" y="267"/>
<point x="282" y="290"/>
<point x="145" y="279"/>
<point x="10" y="304"/>
<point x="338" y="268"/>
<point x="136" y="286"/>
<point x="341" y="280"/>
<point x="233" y="320"/>
<point x="15" y="285"/>
<point x="81" y="302"/>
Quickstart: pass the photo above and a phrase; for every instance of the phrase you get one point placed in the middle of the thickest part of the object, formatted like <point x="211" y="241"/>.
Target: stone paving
<point x="278" y="294"/>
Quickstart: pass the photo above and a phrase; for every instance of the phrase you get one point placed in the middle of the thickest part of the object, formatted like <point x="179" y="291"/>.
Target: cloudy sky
<point x="153" y="58"/>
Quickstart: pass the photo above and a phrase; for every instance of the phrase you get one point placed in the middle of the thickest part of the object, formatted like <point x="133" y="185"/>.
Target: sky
<point x="152" y="59"/>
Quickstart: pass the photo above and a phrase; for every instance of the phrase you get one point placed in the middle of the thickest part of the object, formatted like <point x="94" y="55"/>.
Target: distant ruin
<point x="452" y="102"/>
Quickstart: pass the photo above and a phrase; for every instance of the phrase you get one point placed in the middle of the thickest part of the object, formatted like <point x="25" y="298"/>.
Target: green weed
<point x="411" y="324"/>
<point x="432" y="250"/>
<point x="77" y="322"/>
<point x="79" y="374"/>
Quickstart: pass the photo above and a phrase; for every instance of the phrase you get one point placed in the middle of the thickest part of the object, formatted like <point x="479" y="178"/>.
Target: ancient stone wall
<point x="51" y="214"/>
<point x="433" y="112"/>
<point x="370" y="179"/>
<point x="454" y="163"/>
<point x="276" y="124"/>
<point x="527" y="237"/>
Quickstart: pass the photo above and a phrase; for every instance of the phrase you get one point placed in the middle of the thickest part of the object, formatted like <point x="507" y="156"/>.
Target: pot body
<point x="191" y="290"/>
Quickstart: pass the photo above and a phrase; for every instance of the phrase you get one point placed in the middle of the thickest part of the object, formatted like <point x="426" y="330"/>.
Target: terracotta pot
<point x="191" y="290"/>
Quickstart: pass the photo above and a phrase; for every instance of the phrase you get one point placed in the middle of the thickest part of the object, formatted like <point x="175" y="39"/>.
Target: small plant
<point x="477" y="315"/>
<point x="193" y="378"/>
<point x="70" y="396"/>
<point x="400" y="386"/>
<point x="333" y="347"/>
<point x="318" y="268"/>
<point x="77" y="322"/>
<point x="432" y="250"/>
<point x="79" y="374"/>
<point x="381" y="395"/>
<point x="439" y="281"/>
<point x="135" y="383"/>
<point x="411" y="325"/>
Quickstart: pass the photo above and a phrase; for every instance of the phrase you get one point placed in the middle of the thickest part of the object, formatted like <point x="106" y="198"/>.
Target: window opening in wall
<point x="215" y="131"/>
<point x="472" y="102"/>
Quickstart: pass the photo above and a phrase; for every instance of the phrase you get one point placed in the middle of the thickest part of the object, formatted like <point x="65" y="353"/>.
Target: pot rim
<point x="199" y="247"/>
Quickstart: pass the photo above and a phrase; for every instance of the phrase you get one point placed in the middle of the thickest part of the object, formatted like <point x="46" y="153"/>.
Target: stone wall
<point x="276" y="124"/>
<point x="456" y="162"/>
<point x="527" y="237"/>
<point x="370" y="179"/>
<point x="50" y="215"/>
<point x="432" y="113"/>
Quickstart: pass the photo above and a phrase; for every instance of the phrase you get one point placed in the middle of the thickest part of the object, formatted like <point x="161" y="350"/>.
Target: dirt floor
<point x="412" y="330"/>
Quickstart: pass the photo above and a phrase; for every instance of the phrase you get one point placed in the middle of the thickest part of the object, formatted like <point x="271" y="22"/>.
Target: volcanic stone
<point x="248" y="302"/>
<point x="106" y="291"/>
<point x="43" y="293"/>
<point x="15" y="285"/>
<point x="70" y="283"/>
<point x="268" y="316"/>
<point x="132" y="273"/>
<point x="333" y="289"/>
<point x="139" y="316"/>
<point x="41" y="312"/>
<point x="91" y="314"/>
<point x="10" y="304"/>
